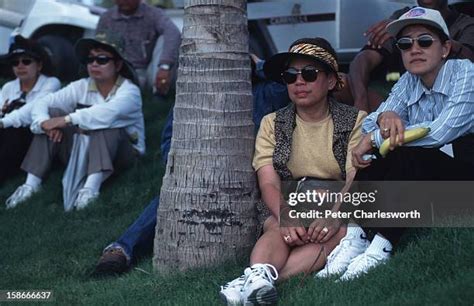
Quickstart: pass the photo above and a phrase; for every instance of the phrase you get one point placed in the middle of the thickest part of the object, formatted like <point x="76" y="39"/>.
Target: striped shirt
<point x="447" y="108"/>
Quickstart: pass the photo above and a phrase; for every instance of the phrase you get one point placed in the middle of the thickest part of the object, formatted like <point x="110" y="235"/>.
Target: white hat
<point x="418" y="15"/>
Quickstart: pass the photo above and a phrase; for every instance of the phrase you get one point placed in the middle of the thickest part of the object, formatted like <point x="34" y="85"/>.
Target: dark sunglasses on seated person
<point x="99" y="59"/>
<point x="406" y="43"/>
<point x="309" y="74"/>
<point x="24" y="61"/>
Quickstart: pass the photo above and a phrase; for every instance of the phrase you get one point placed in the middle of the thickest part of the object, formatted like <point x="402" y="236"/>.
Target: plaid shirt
<point x="141" y="31"/>
<point x="447" y="108"/>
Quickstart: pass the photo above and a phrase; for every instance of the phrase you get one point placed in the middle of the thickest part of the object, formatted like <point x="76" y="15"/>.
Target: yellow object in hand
<point x="408" y="136"/>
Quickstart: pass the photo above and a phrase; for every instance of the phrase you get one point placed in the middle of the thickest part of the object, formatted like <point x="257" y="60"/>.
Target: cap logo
<point x="416" y="12"/>
<point x="18" y="51"/>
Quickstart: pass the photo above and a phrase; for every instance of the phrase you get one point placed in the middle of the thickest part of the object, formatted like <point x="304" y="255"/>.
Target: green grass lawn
<point x="41" y="247"/>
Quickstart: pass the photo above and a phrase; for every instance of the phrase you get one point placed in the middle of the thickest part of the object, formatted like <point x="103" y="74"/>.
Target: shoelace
<point x="236" y="282"/>
<point x="261" y="270"/>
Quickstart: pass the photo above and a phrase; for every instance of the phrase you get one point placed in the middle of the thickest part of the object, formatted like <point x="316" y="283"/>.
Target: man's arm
<point x="171" y="35"/>
<point x="459" y="50"/>
<point x="462" y="40"/>
<point x="359" y="75"/>
<point x="169" y="56"/>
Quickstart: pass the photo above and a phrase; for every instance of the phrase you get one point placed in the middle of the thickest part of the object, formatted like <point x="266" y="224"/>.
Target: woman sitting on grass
<point x="312" y="137"/>
<point x="106" y="107"/>
<point x="435" y="93"/>
<point x="32" y="69"/>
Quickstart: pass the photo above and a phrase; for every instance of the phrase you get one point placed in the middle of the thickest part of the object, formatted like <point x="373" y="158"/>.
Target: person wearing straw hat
<point x="285" y="149"/>
<point x="33" y="71"/>
<point x="106" y="106"/>
<point x="434" y="93"/>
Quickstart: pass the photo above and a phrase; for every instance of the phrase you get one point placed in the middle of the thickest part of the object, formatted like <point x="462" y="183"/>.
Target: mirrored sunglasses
<point x="406" y="43"/>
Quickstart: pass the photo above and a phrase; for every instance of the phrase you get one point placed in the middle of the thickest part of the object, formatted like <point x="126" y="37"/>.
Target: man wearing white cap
<point x="434" y="93"/>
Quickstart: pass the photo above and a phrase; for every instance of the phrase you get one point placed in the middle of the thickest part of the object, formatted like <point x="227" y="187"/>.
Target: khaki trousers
<point x="109" y="150"/>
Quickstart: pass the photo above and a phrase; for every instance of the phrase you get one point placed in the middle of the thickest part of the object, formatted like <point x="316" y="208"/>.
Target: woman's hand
<point x="55" y="135"/>
<point x="294" y="235"/>
<point x="364" y="147"/>
<point x="321" y="230"/>
<point x="391" y="125"/>
<point x="54" y="124"/>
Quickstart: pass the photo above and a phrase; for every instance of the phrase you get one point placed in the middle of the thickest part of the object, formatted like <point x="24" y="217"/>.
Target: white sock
<point x="380" y="246"/>
<point x="94" y="181"/>
<point x="355" y="230"/>
<point x="33" y="180"/>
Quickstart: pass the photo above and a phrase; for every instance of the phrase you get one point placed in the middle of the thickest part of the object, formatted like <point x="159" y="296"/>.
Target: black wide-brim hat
<point x="110" y="42"/>
<point x="28" y="47"/>
<point x="315" y="49"/>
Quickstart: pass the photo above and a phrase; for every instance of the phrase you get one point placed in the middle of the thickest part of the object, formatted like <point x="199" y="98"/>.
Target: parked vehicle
<point x="273" y="24"/>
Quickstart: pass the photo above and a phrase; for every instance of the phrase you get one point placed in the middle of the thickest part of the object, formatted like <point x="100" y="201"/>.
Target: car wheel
<point x="61" y="52"/>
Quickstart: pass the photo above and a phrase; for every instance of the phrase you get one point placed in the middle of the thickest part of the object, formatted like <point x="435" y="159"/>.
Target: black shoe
<point x="113" y="262"/>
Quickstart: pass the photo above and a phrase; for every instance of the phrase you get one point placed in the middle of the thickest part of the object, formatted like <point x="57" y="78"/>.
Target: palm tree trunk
<point x="207" y="210"/>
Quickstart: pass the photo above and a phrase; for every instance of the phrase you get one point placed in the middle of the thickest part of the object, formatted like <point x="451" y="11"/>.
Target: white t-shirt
<point x="11" y="91"/>
<point x="122" y="108"/>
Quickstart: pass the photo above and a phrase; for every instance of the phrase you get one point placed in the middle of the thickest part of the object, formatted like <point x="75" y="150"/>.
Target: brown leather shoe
<point x="112" y="262"/>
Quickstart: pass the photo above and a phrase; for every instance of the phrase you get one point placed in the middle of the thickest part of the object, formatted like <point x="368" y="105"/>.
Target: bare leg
<point x="270" y="248"/>
<point x="302" y="259"/>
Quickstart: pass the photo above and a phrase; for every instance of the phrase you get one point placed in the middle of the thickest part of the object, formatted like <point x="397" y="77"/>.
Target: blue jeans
<point x="139" y="236"/>
<point x="166" y="134"/>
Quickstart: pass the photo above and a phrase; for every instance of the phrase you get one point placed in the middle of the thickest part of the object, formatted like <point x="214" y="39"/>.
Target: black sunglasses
<point x="309" y="74"/>
<point x="100" y="59"/>
<point x="424" y="41"/>
<point x="24" y="61"/>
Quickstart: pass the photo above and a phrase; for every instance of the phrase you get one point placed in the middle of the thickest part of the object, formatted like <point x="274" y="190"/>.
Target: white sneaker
<point x="348" y="248"/>
<point x="84" y="197"/>
<point x="230" y="293"/>
<point x="258" y="287"/>
<point x="21" y="194"/>
<point x="377" y="253"/>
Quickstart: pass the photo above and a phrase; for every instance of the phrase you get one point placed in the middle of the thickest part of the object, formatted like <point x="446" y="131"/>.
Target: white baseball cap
<point x="418" y="15"/>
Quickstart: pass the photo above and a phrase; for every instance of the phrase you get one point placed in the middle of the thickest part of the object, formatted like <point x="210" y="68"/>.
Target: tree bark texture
<point x="207" y="210"/>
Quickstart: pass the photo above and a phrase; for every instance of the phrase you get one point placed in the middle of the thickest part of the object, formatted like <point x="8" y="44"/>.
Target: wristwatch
<point x="164" y="66"/>
<point x="68" y="120"/>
